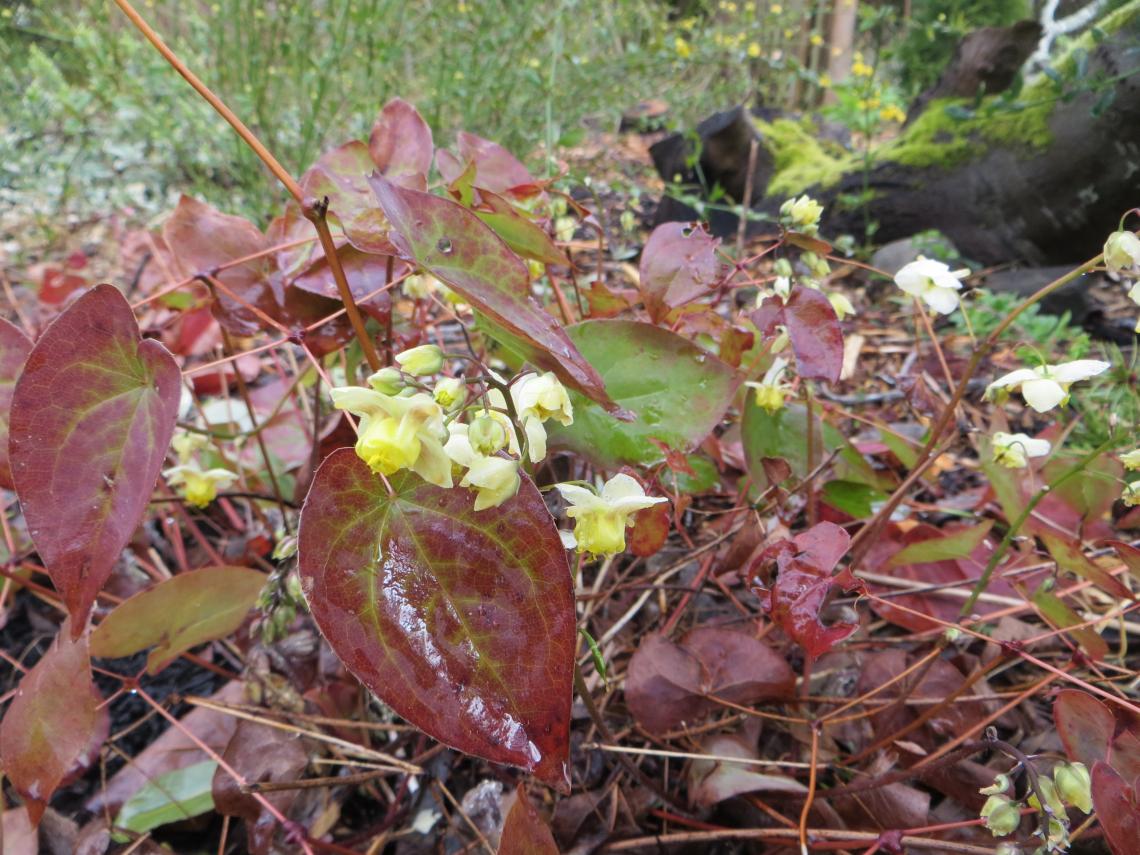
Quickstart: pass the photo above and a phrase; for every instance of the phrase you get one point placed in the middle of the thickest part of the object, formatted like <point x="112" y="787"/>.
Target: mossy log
<point x="1042" y="177"/>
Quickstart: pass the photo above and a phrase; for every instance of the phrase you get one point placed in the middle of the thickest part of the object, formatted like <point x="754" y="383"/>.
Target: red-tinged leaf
<point x="678" y="264"/>
<point x="1059" y="615"/>
<point x="14" y="349"/>
<point x="496" y="169"/>
<point x="1069" y="556"/>
<point x="956" y="544"/>
<point x="401" y="145"/>
<point x="462" y="622"/>
<point x="521" y="233"/>
<point x="734" y="343"/>
<point x="57" y="285"/>
<point x="808" y="243"/>
<point x="603" y="302"/>
<point x="1129" y="554"/>
<point x="92" y="417"/>
<point x="524" y="831"/>
<point x="650" y="529"/>
<point x="669" y="684"/>
<point x="366" y="275"/>
<point x="341" y="176"/>
<point x="457" y="248"/>
<point x="1085" y="726"/>
<point x="260" y="754"/>
<point x="803" y="582"/>
<point x="817" y="340"/>
<point x="202" y="238"/>
<point x="54" y="726"/>
<point x="1117" y="808"/>
<point x="179" y="613"/>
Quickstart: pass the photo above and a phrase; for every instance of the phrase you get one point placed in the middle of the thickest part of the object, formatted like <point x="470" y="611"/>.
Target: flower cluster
<point x="407" y="425"/>
<point x="1069" y="786"/>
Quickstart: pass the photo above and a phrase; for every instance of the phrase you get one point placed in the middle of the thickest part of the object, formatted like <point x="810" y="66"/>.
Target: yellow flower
<point x="1001" y="815"/>
<point x="420" y="286"/>
<point x="802" y="214"/>
<point x="771" y="392"/>
<point x="684" y="50"/>
<point x="449" y="393"/>
<point x="824" y="81"/>
<point x="776" y="8"/>
<point x="425" y="359"/>
<point x="600" y="520"/>
<point x="1013" y="450"/>
<point x="186" y="444"/>
<point x="816" y="39"/>
<point x="841" y="304"/>
<point x="861" y="69"/>
<point x="1074" y="785"/>
<point x="536" y="399"/>
<point x="199" y="487"/>
<point x="892" y="113"/>
<point x="1131" y="460"/>
<point x="388" y="381"/>
<point x="398" y="432"/>
<point x="495" y="480"/>
<point x="754" y="50"/>
<point x="486" y="435"/>
<point x="1131" y="494"/>
<point x="1122" y="252"/>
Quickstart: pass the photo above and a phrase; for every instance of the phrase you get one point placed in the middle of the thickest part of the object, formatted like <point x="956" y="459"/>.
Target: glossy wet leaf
<point x="400" y="145"/>
<point x="524" y="831"/>
<point x="678" y="265"/>
<point x="14" y="349"/>
<point x="456" y="247"/>
<point x="852" y="498"/>
<point x="783" y="435"/>
<point x="179" y="613"/>
<point x="802" y="583"/>
<point x="677" y="392"/>
<point x="92" y="418"/>
<point x="668" y="684"/>
<point x="176" y="796"/>
<point x="1117" y="806"/>
<point x="462" y="622"/>
<point x="55" y="724"/>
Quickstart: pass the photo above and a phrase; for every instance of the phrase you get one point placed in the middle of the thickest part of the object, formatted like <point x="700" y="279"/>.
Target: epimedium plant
<point x="437" y="324"/>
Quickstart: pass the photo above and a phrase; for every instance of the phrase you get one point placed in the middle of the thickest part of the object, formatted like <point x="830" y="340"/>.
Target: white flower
<point x="932" y="282"/>
<point x="1013" y="450"/>
<point x="1131" y="494"/>
<point x="1122" y="252"/>
<point x="600" y="520"/>
<point x="1047" y="386"/>
<point x="495" y="478"/>
<point x="1131" y="460"/>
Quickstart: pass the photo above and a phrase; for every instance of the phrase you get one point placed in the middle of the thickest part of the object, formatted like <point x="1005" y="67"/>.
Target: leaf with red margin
<point x="456" y="247"/>
<point x="678" y="264"/>
<point x="524" y="832"/>
<point x="496" y="169"/>
<point x="179" y="613"/>
<point x="54" y="726"/>
<point x="92" y="418"/>
<point x="1085" y="726"/>
<point x="14" y="349"/>
<point x="401" y="145"/>
<point x="462" y="622"/>
<point x="1117" y="807"/>
<point x="520" y="233"/>
<point x="802" y="584"/>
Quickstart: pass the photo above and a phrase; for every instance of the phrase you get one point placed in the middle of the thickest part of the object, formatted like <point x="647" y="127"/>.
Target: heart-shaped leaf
<point x="813" y="328"/>
<point x="461" y="621"/>
<point x="341" y="176"/>
<point x="54" y="727"/>
<point x="456" y="247"/>
<point x="1085" y="726"/>
<point x="677" y="392"/>
<point x="92" y="418"/>
<point x="14" y="350"/>
<point x="678" y="264"/>
<point x="179" y="613"/>
<point x="401" y="145"/>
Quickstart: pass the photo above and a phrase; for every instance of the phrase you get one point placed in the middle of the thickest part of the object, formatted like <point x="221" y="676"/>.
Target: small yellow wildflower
<point x="683" y="48"/>
<point x="199" y="487"/>
<point x="816" y="39"/>
<point x="772" y="391"/>
<point x="600" y="520"/>
<point x="892" y="113"/>
<point x="776" y="9"/>
<point x="1131" y="460"/>
<point x="824" y="81"/>
<point x="861" y="69"/>
<point x="754" y="50"/>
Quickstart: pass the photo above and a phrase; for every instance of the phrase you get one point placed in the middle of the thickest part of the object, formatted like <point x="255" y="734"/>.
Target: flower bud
<point x="841" y="304"/>
<point x="1053" y="803"/>
<point x="818" y="266"/>
<point x="1074" y="785"/>
<point x="486" y="435"/>
<point x="782" y="267"/>
<point x="418" y="361"/>
<point x="1001" y="815"/>
<point x="496" y="479"/>
<point x="449" y="392"/>
<point x="387" y="381"/>
<point x="1000" y="785"/>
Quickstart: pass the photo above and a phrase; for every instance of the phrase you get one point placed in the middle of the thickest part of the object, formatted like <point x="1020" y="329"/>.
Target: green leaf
<point x="959" y="544"/>
<point x="179" y="613"/>
<point x="173" y="797"/>
<point x="1054" y="610"/>
<point x="853" y="498"/>
<point x="677" y="392"/>
<point x="461" y="621"/>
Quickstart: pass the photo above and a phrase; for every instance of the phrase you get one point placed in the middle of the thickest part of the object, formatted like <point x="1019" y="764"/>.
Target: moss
<point x="800" y="160"/>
